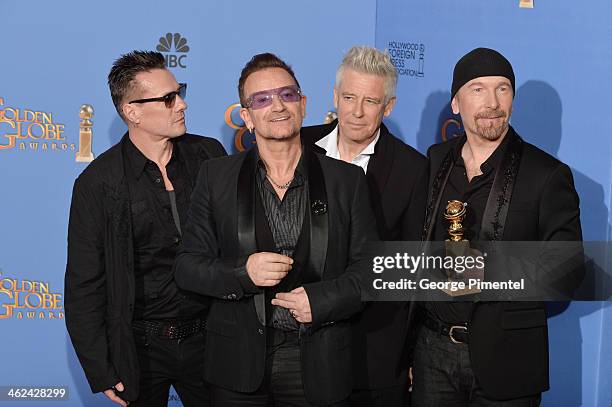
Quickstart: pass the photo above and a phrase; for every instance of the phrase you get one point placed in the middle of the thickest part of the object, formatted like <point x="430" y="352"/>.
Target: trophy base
<point x="457" y="249"/>
<point x="458" y="293"/>
<point x="87" y="158"/>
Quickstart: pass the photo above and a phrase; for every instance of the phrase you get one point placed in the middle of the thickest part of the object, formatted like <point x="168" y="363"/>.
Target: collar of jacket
<point x="496" y="210"/>
<point x="381" y="162"/>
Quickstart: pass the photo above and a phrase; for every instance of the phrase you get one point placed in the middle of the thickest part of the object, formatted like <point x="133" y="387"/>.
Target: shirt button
<point x="261" y="331"/>
<point x="231" y="297"/>
<point x="176" y="240"/>
<point x="157" y="180"/>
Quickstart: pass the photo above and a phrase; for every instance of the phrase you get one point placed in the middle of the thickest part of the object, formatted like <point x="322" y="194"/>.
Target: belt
<point x="171" y="329"/>
<point x="456" y="333"/>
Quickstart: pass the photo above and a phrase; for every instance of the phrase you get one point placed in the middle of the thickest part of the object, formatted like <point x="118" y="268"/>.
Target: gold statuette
<point x="455" y="213"/>
<point x="85" y="155"/>
<point x="457" y="246"/>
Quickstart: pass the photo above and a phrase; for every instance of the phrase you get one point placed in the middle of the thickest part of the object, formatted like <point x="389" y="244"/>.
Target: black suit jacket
<point x="397" y="177"/>
<point x="222" y="232"/>
<point x="508" y="341"/>
<point x="99" y="282"/>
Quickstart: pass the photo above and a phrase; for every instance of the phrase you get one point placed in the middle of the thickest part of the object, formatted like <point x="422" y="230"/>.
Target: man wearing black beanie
<point x="490" y="353"/>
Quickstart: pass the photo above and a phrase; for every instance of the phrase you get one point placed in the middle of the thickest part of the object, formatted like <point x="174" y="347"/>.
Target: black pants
<point x="282" y="385"/>
<point x="443" y="376"/>
<point x="390" y="397"/>
<point x="171" y="362"/>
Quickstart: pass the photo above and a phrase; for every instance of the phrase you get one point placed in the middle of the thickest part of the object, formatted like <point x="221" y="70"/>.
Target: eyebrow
<point x="506" y="82"/>
<point x="365" y="97"/>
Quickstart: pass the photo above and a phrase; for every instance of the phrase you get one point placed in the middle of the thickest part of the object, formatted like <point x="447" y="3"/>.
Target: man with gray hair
<point x="365" y="93"/>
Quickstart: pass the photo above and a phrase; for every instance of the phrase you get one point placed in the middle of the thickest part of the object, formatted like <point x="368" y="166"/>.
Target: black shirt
<point x="475" y="193"/>
<point x="157" y="238"/>
<point x="285" y="219"/>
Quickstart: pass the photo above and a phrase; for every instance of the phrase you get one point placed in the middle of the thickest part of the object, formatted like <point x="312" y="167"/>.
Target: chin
<point x="178" y="133"/>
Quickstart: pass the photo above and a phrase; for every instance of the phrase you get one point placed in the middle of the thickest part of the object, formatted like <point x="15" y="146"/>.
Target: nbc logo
<point x="174" y="42"/>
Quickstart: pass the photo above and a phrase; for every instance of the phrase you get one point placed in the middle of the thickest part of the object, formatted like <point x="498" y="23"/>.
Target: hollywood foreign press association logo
<point x="408" y="58"/>
<point x="175" y="49"/>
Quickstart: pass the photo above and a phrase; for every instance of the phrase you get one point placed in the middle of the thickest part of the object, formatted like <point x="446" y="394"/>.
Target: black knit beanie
<point x="480" y="62"/>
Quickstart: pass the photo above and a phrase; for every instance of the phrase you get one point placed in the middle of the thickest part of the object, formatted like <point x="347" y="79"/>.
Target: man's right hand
<point x="268" y="269"/>
<point x="110" y="393"/>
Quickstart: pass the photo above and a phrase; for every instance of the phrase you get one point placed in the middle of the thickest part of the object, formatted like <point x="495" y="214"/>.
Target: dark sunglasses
<point x="168" y="99"/>
<point x="264" y="98"/>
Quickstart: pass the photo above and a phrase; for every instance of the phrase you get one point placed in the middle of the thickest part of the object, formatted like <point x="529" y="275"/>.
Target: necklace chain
<point x="283" y="186"/>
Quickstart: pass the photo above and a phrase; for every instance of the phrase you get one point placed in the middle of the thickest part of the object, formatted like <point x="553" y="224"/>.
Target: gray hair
<point x="370" y="61"/>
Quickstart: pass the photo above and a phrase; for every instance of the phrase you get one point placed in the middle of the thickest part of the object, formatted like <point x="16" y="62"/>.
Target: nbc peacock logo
<point x="175" y="49"/>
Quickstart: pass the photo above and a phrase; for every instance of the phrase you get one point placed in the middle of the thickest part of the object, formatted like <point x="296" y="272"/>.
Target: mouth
<point x="280" y="119"/>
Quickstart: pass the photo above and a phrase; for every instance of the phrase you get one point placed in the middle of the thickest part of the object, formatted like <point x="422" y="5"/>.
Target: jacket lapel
<point x="435" y="194"/>
<point x="319" y="217"/>
<point x="381" y="162"/>
<point x="496" y="211"/>
<point x="245" y="206"/>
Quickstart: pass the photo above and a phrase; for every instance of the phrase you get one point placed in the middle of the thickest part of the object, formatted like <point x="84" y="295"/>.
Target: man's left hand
<point x="297" y="303"/>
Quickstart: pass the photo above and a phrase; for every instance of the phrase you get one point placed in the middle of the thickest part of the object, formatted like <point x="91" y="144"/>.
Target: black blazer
<point x="397" y="177"/>
<point x="534" y="200"/>
<point x="99" y="282"/>
<point x="222" y="232"/>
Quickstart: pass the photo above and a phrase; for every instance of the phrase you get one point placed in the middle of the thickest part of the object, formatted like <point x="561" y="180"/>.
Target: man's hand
<point x="267" y="269"/>
<point x="297" y="303"/>
<point x="410" y="379"/>
<point x="110" y="393"/>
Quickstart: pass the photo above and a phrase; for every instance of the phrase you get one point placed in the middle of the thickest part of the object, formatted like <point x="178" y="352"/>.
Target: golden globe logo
<point x="29" y="299"/>
<point x="28" y="129"/>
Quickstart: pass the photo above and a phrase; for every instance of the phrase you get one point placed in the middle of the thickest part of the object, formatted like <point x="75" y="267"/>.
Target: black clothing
<point x="532" y="199"/>
<point x="285" y="219"/>
<point x="397" y="177"/>
<point x="226" y="225"/>
<point x="166" y="362"/>
<point x="445" y="376"/>
<point x="282" y="383"/>
<point x="475" y="193"/>
<point x="156" y="236"/>
<point x="100" y="284"/>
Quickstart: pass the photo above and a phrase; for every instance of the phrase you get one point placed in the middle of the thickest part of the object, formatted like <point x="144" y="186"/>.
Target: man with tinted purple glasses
<point x="276" y="243"/>
<point x="134" y="331"/>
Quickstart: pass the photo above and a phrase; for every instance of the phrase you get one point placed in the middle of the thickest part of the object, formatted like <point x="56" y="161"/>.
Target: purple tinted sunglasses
<point x="264" y="98"/>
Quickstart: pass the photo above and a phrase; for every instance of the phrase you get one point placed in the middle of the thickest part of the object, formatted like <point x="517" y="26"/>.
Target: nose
<point x="277" y="104"/>
<point x="180" y="103"/>
<point x="492" y="101"/>
<point x="358" y="108"/>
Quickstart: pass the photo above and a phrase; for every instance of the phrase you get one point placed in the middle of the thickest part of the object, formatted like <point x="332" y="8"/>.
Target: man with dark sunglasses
<point x="276" y="243"/>
<point x="134" y="331"/>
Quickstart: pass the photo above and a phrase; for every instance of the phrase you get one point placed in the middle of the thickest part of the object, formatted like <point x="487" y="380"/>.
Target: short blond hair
<point x="372" y="61"/>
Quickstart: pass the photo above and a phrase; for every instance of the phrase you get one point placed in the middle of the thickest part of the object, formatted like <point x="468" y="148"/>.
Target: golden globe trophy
<point x="459" y="247"/>
<point x="330" y="117"/>
<point x="85" y="155"/>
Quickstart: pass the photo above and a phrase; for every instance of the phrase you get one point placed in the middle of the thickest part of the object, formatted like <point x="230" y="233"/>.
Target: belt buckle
<point x="451" y="330"/>
<point x="170" y="330"/>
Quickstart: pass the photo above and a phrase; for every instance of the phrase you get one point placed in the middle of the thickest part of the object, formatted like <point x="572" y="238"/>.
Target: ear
<point x="131" y="113"/>
<point x="335" y="98"/>
<point x="303" y="102"/>
<point x="389" y="106"/>
<point x="246" y="118"/>
<point x="455" y="105"/>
